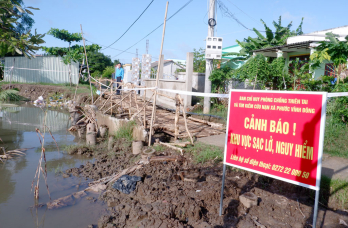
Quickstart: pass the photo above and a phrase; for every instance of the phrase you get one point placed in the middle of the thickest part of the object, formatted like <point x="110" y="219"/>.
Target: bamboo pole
<point x="111" y="99"/>
<point x="157" y="76"/>
<point x="177" y="113"/>
<point x="117" y="103"/>
<point x="130" y="104"/>
<point x="145" y="109"/>
<point x="89" y="75"/>
<point x="77" y="85"/>
<point x="185" y="119"/>
<point x="100" y="89"/>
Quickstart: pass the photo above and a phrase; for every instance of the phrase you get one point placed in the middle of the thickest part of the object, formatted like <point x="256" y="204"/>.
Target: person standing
<point x="118" y="78"/>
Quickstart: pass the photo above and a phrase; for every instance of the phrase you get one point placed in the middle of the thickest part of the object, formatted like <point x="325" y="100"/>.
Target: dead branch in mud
<point x="39" y="168"/>
<point x="101" y="184"/>
<point x="11" y="153"/>
<point x="172" y="147"/>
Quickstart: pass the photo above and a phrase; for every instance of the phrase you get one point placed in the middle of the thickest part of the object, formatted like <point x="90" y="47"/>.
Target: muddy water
<point x="17" y="130"/>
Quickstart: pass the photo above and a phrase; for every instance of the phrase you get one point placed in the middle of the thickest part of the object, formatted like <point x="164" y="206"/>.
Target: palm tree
<point x="271" y="39"/>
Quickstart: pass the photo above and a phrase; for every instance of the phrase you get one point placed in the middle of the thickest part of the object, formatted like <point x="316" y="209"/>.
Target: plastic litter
<point x="39" y="101"/>
<point x="126" y="184"/>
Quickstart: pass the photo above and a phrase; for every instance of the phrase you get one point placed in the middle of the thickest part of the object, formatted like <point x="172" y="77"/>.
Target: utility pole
<point x="209" y="62"/>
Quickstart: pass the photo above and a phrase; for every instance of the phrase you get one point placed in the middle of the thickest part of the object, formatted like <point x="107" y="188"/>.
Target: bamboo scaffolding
<point x="157" y="76"/>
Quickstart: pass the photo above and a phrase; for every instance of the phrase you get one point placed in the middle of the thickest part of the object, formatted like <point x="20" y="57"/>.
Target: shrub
<point x="9" y="95"/>
<point x="108" y="71"/>
<point x="126" y="131"/>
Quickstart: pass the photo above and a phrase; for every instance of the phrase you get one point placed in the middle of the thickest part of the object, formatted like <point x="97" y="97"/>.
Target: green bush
<point x="96" y="73"/>
<point x="204" y="153"/>
<point x="108" y="71"/>
<point x="126" y="131"/>
<point x="10" y="95"/>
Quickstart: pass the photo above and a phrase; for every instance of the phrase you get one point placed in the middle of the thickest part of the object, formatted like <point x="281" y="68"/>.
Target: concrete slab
<point x="332" y="167"/>
<point x="216" y="140"/>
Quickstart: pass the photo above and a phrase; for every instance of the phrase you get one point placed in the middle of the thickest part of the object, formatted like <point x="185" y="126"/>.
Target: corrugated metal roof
<point x="304" y="44"/>
<point x="44" y="69"/>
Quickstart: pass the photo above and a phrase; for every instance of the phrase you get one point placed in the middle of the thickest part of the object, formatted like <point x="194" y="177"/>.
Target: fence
<point x="42" y="69"/>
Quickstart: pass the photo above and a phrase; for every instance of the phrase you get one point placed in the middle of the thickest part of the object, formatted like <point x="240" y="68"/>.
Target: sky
<point x="104" y="21"/>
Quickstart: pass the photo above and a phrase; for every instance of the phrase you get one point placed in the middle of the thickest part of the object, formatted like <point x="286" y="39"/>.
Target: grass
<point x="335" y="142"/>
<point x="10" y="95"/>
<point x="83" y="88"/>
<point x="126" y="131"/>
<point x="159" y="148"/>
<point x="334" y="192"/>
<point x="203" y="153"/>
<point x="72" y="148"/>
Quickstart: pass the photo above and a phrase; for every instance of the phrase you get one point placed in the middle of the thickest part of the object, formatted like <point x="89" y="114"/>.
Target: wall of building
<point x="42" y="69"/>
<point x="165" y="84"/>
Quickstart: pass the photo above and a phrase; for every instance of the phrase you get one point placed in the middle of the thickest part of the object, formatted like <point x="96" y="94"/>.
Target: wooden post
<point x="89" y="75"/>
<point x="145" y="108"/>
<point x="184" y="114"/>
<point x="14" y="61"/>
<point x="78" y="80"/>
<point x="100" y="89"/>
<point x="177" y="113"/>
<point x="111" y="99"/>
<point x="130" y="103"/>
<point x="157" y="76"/>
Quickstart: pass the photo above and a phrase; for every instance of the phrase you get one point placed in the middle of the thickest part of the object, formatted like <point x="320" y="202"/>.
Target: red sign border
<point x="321" y="136"/>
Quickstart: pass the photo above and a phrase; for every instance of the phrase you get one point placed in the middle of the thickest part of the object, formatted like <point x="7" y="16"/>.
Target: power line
<point x="242" y="11"/>
<point x="155" y="28"/>
<point x="130" y="26"/>
<point x="114" y="48"/>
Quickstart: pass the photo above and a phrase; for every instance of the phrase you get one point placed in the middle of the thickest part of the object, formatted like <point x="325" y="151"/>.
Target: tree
<point x="271" y="39"/>
<point x="98" y="61"/>
<point x="199" y="60"/>
<point x="219" y="77"/>
<point x="70" y="54"/>
<point x="14" y="39"/>
<point x="26" y="21"/>
<point x="332" y="50"/>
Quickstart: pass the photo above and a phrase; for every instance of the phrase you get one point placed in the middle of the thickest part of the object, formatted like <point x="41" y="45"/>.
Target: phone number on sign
<point x="290" y="171"/>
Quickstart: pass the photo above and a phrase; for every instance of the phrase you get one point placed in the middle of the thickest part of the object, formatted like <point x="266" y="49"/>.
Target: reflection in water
<point x="17" y="130"/>
<point x="29" y="118"/>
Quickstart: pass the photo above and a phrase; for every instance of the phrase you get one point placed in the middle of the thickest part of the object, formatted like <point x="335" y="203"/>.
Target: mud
<point x="183" y="194"/>
<point x="32" y="92"/>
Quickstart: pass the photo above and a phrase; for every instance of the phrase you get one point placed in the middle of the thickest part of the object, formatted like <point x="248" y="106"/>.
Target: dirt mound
<point x="183" y="194"/>
<point x="32" y="92"/>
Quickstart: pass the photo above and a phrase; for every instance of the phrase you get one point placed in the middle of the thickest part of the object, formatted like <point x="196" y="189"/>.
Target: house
<point x="225" y="60"/>
<point x="303" y="46"/>
<point x="170" y="68"/>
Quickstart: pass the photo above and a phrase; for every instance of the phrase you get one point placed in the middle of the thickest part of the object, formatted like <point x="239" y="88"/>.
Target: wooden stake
<point x="157" y="76"/>
<point x="145" y="109"/>
<point x="111" y="99"/>
<point x="130" y="104"/>
<point x="78" y="80"/>
<point x="177" y="113"/>
<point x="117" y="103"/>
<point x="89" y="74"/>
<point x="100" y="89"/>
<point x="184" y="114"/>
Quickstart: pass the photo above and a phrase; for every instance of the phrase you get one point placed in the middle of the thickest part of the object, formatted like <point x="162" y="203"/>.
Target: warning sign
<point x="278" y="134"/>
